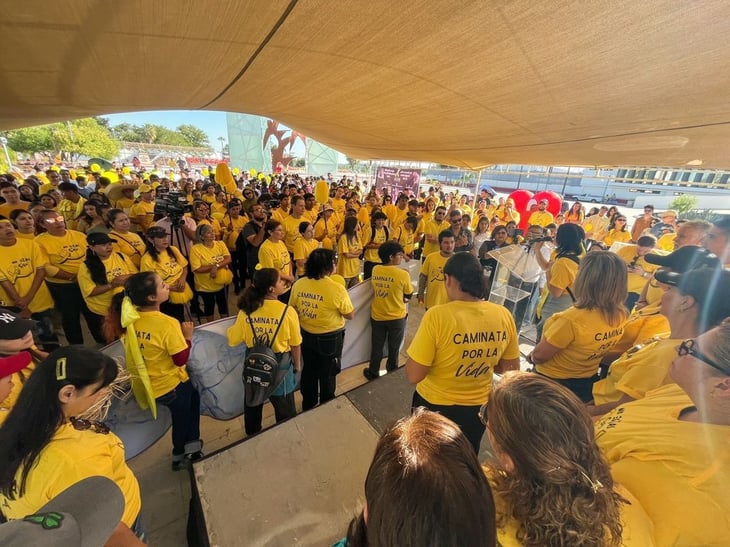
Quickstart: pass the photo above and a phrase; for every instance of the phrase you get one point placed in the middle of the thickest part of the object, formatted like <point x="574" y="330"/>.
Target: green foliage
<point x="683" y="204"/>
<point x="84" y="137"/>
<point x="185" y="135"/>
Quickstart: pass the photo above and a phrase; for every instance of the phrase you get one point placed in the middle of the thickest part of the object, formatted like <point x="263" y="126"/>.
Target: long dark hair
<point x="349" y="229"/>
<point x="37" y="414"/>
<point x="466" y="269"/>
<point x="139" y="287"/>
<point x="96" y="267"/>
<point x="253" y="297"/>
<point x="153" y="252"/>
<point x="569" y="240"/>
<point x="320" y="263"/>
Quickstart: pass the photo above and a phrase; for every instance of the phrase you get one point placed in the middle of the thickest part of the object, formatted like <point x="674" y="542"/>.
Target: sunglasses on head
<point x="687" y="347"/>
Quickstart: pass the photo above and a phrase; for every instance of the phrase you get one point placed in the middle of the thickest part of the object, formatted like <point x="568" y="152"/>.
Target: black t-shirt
<point x="252" y="252"/>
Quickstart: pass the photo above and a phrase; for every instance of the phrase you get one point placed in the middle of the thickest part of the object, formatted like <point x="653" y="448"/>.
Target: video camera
<point x="173" y="205"/>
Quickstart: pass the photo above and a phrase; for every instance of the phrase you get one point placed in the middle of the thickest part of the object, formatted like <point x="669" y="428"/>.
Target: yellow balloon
<point x="268" y="179"/>
<point x="126" y="170"/>
<point x="171" y="176"/>
<point x="95" y="168"/>
<point x="236" y="171"/>
<point x="205" y="172"/>
<point x="111" y="175"/>
<point x="224" y="178"/>
<point x="261" y="176"/>
<point x="321" y="191"/>
<point x="145" y="176"/>
<point x="252" y="172"/>
<point x="55" y="168"/>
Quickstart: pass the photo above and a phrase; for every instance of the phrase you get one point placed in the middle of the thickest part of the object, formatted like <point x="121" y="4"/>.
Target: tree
<point x="30" y="139"/>
<point x="683" y="204"/>
<point x="193" y="135"/>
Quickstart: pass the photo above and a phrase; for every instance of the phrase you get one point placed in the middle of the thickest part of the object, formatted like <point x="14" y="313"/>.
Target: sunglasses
<point x="53" y="220"/>
<point x="455" y="220"/>
<point x="687" y="347"/>
<point x="82" y="424"/>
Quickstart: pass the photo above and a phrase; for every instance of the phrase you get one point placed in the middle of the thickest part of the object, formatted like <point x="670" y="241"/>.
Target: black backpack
<point x="261" y="371"/>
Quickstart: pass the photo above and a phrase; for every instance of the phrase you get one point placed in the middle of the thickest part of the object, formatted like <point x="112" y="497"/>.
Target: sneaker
<point x="195" y="456"/>
<point x="369" y="375"/>
<point x="179" y="462"/>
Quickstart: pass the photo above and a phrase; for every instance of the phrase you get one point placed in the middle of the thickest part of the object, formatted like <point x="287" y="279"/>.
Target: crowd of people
<point x="630" y="322"/>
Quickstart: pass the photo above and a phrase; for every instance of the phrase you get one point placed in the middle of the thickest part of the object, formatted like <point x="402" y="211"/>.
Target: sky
<point x="213" y="123"/>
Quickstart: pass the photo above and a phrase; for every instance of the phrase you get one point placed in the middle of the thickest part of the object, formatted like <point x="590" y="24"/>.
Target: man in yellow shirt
<point x="431" y="277"/>
<point x="541" y="217"/>
<point x="292" y="221"/>
<point x="11" y="195"/>
<point x="392" y="288"/>
<point x="432" y="229"/>
<point x="639" y="269"/>
<point x="72" y="204"/>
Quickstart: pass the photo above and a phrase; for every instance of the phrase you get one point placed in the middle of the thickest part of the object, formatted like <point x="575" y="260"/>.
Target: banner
<point x="397" y="180"/>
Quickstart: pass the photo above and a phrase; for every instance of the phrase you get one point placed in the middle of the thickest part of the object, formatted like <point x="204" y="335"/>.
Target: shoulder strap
<point x="127" y="242"/>
<point x="281" y="320"/>
<point x="269" y="343"/>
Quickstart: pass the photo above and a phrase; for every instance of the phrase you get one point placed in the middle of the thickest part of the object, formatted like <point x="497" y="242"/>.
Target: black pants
<point x="96" y="325"/>
<point x="70" y="304"/>
<point x="466" y="417"/>
<point x="238" y="267"/>
<point x="184" y="405"/>
<point x="211" y="299"/>
<point x="582" y="387"/>
<point x="367" y="269"/>
<point x="284" y="408"/>
<point x="382" y="331"/>
<point x="321" y="356"/>
<point x="173" y="310"/>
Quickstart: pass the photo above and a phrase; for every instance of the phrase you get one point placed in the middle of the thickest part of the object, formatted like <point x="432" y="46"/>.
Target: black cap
<point x="710" y="287"/>
<point x="685" y="259"/>
<point x="99" y="238"/>
<point x="12" y="326"/>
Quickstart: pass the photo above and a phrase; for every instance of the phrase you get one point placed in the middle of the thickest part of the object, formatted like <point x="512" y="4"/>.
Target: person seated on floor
<point x="550" y="482"/>
<point x="670" y="449"/>
<point x="62" y="399"/>
<point x="424" y="487"/>
<point x="694" y="302"/>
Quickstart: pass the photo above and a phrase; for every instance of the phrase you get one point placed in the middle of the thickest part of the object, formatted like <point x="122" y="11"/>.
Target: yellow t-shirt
<point x="6" y="208"/>
<point x="279" y="214"/>
<point x="563" y="273"/>
<point x="19" y="264"/>
<point x="265" y="320"/>
<point x="302" y="249"/>
<point x="638" y="530"/>
<point x="208" y="198"/>
<point x="363" y="215"/>
<point x="390" y="284"/>
<point x="326" y="232"/>
<point x="160" y="337"/>
<point x="117" y="264"/>
<point x="541" y="218"/>
<point x="66" y="252"/>
<point x="68" y="458"/>
<point x="169" y="268"/>
<point x="433" y="228"/>
<point x="636" y="282"/>
<point x="616" y="235"/>
<point x="19" y="379"/>
<point x="639" y="370"/>
<point x="129" y="244"/>
<point x="461" y="343"/>
<point x="237" y="224"/>
<point x="275" y="255"/>
<point x="584" y="337"/>
<point x="371" y="255"/>
<point x="320" y="304"/>
<point x="678" y="470"/>
<point x="339" y="205"/>
<point x="433" y="269"/>
<point x="217" y="230"/>
<point x="71" y="211"/>
<point x="406" y="238"/>
<point x="218" y="208"/>
<point x="143" y="209"/>
<point x="291" y="228"/>
<point x="396" y="217"/>
<point x="200" y="255"/>
<point x="348" y="267"/>
<point x="125" y="204"/>
<point x="642" y="325"/>
<point x="666" y="242"/>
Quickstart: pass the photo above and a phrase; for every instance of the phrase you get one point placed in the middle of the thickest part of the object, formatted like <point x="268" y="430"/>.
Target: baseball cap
<point x="710" y="287"/>
<point x="13" y="363"/>
<point x="99" y="238"/>
<point x="83" y="515"/>
<point x="12" y="326"/>
<point x="684" y="259"/>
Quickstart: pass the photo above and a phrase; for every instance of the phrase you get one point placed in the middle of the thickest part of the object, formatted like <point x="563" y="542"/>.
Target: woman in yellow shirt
<point x="126" y="242"/>
<point x="273" y="254"/>
<point x="260" y="305"/>
<point x="458" y="346"/>
<point x="65" y="444"/>
<point x="92" y="217"/>
<point x="169" y="263"/>
<point x="551" y="484"/>
<point x="101" y="276"/>
<point x="209" y="260"/>
<point x="575" y="340"/>
<point x="24" y="224"/>
<point x="349" y="249"/>
<point x="165" y="347"/>
<point x="575" y="214"/>
<point x="617" y="232"/>
<point x="304" y="246"/>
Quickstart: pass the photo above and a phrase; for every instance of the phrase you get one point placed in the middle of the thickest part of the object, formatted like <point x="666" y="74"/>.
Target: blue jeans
<point x="184" y="405"/>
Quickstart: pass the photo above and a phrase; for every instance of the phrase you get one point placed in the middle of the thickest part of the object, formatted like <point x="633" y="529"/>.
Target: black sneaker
<point x="195" y="456"/>
<point x="179" y="462"/>
<point x="369" y="375"/>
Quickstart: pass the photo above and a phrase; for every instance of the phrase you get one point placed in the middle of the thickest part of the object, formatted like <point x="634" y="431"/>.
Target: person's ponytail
<point x="112" y="328"/>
